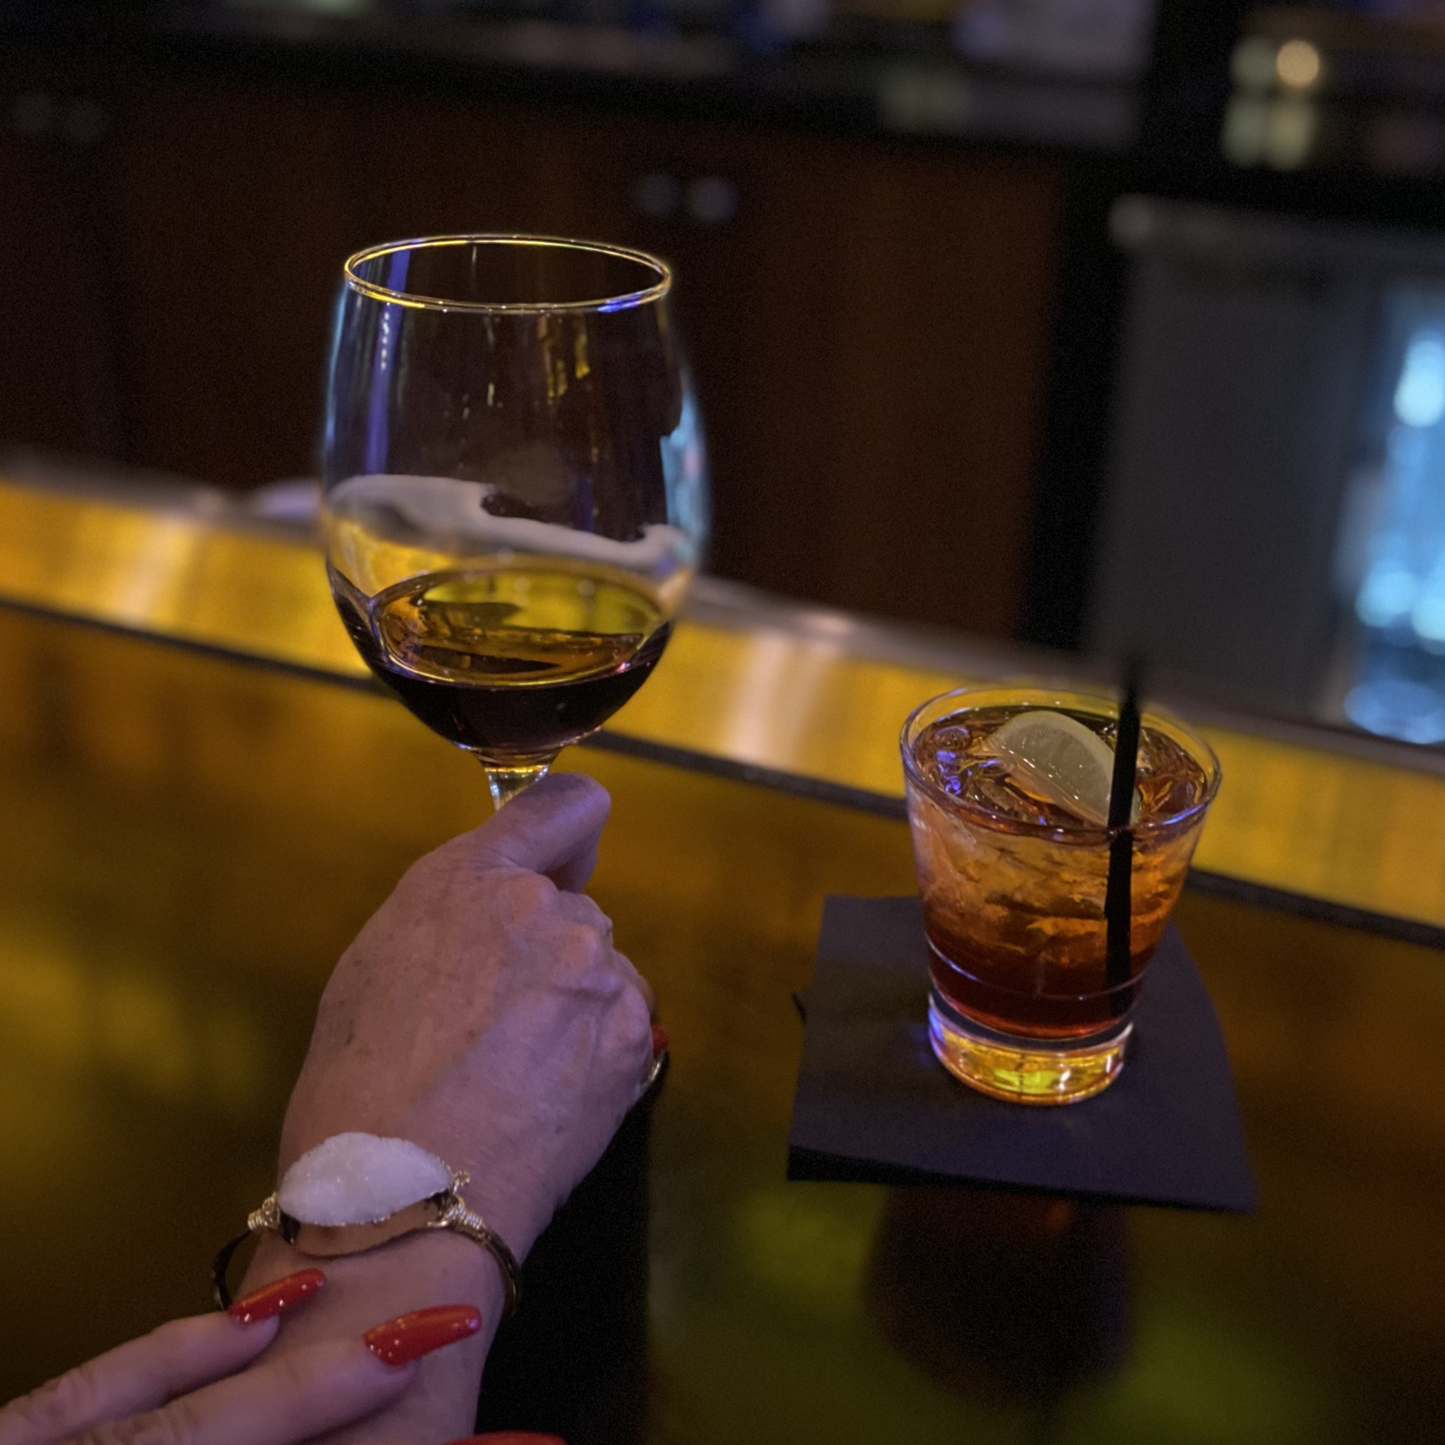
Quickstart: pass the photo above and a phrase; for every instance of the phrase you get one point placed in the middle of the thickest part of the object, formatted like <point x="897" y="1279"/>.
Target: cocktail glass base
<point x="1025" y="1071"/>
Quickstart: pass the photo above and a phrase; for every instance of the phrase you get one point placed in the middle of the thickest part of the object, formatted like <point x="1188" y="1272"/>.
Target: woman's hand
<point x="187" y="1383"/>
<point x="484" y="1014"/>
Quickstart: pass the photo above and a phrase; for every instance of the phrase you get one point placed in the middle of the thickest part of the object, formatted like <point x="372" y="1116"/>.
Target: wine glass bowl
<point x="515" y="484"/>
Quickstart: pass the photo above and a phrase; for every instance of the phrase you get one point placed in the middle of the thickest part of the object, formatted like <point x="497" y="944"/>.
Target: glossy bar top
<point x="801" y="691"/>
<point x="190" y="840"/>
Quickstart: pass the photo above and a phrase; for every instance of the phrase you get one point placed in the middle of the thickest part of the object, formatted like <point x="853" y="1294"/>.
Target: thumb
<point x="551" y="827"/>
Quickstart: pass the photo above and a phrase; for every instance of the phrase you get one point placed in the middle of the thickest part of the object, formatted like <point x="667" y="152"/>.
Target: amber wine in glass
<point x="515" y="485"/>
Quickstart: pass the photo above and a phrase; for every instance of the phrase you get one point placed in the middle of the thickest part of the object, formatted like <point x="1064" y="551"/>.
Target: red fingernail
<point x="281" y="1294"/>
<point x="659" y="1039"/>
<point x="408" y="1337"/>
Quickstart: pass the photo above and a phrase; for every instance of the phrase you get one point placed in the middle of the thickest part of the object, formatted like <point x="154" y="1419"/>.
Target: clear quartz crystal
<point x="359" y="1179"/>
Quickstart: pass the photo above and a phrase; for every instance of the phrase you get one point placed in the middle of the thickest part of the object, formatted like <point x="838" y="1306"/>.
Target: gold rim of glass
<point x="422" y="302"/>
<point x="1089" y="833"/>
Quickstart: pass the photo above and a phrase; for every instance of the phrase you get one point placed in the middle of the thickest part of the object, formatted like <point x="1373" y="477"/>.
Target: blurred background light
<point x="1252" y="64"/>
<point x="1246" y="118"/>
<point x="1420" y="394"/>
<point x="1298" y="64"/>
<point x="1399" y="684"/>
<point x="1289" y="134"/>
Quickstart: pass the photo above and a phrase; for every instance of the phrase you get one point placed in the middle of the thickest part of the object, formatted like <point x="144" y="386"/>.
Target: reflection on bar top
<point x="800" y="690"/>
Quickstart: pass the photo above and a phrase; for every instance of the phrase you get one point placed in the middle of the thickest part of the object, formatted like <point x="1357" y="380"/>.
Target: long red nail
<point x="659" y="1039"/>
<point x="279" y="1295"/>
<point x="408" y="1337"/>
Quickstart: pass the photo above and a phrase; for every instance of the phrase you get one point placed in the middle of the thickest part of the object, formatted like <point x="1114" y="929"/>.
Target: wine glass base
<point x="506" y="782"/>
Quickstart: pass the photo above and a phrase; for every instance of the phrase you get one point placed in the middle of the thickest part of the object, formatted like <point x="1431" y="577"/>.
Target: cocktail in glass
<point x="1024" y="1004"/>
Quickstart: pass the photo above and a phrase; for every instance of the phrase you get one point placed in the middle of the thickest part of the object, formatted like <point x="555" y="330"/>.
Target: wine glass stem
<point x="506" y="783"/>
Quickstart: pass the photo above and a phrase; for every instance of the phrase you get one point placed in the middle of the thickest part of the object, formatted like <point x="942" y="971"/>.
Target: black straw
<point x="1121" y="844"/>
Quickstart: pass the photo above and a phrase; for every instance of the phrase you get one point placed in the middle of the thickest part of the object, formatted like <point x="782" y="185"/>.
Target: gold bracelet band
<point x="461" y="1220"/>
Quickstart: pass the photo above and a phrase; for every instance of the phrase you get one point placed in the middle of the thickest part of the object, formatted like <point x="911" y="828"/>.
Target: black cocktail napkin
<point x="873" y="1104"/>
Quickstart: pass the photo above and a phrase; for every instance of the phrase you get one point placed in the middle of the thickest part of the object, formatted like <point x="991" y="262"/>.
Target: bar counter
<point x="204" y="798"/>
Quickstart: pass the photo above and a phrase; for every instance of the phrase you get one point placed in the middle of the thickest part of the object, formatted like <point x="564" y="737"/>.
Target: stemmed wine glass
<point x="515" y="484"/>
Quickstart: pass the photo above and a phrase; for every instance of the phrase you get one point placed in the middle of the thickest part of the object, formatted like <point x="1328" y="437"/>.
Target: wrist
<point x="411" y="1273"/>
<point x="510" y="1212"/>
<point x="415" y="1272"/>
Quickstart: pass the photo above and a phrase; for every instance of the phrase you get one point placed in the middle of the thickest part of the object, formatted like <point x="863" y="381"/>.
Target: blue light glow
<point x="1387" y="595"/>
<point x="1403" y="588"/>
<point x="1420" y="395"/>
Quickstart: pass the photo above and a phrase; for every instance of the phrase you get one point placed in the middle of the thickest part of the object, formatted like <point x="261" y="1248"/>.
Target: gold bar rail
<point x="1302" y="810"/>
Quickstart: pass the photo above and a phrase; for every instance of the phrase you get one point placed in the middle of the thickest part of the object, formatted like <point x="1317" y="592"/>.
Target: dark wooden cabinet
<point x="868" y="322"/>
<point x="60" y="345"/>
<point x="232" y="214"/>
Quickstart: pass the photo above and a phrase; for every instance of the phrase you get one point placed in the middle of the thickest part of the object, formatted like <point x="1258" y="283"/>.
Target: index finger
<point x="552" y="827"/>
<point x="139" y="1375"/>
<point x="318" y="1388"/>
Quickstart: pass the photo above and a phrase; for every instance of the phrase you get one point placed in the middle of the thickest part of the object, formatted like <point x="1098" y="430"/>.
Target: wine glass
<point x="515" y="485"/>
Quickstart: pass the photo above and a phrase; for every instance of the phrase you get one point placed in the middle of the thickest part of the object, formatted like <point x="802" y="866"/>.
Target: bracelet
<point x="444" y="1210"/>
